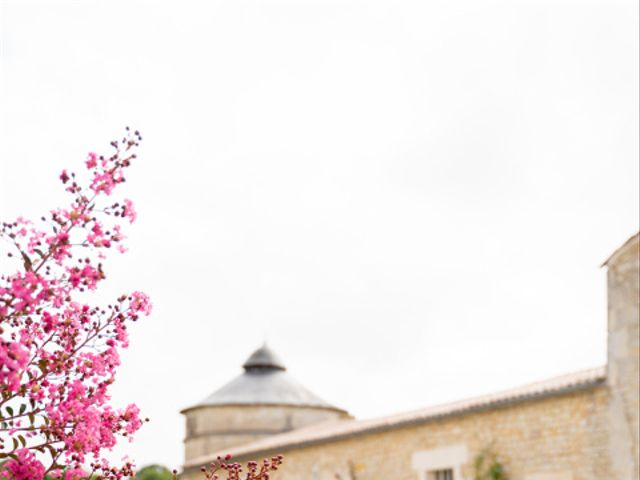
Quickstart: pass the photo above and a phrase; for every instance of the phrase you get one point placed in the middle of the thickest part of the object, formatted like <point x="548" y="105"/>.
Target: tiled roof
<point x="339" y="429"/>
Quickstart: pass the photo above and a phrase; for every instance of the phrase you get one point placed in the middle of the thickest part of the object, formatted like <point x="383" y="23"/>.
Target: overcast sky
<point x="409" y="199"/>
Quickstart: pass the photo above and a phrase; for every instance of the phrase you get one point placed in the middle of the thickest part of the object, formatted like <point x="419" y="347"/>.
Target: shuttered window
<point x="446" y="474"/>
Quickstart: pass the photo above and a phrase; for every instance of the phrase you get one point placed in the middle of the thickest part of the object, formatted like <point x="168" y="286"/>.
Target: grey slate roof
<point x="264" y="382"/>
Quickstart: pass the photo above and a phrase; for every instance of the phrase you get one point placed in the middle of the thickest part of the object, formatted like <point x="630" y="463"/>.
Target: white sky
<point x="410" y="199"/>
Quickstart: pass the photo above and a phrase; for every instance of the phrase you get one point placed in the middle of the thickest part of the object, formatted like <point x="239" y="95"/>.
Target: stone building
<point x="582" y="426"/>
<point x="264" y="401"/>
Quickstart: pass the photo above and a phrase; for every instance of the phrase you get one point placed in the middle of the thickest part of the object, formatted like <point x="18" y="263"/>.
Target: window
<point x="442" y="463"/>
<point x="445" y="474"/>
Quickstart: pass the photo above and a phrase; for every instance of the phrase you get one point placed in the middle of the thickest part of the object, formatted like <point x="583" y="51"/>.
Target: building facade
<point x="582" y="426"/>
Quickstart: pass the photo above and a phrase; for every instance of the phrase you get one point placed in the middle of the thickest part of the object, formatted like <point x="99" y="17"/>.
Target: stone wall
<point x="557" y="438"/>
<point x="214" y="428"/>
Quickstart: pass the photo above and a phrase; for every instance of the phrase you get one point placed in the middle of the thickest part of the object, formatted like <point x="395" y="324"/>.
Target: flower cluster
<point x="59" y="354"/>
<point x="234" y="471"/>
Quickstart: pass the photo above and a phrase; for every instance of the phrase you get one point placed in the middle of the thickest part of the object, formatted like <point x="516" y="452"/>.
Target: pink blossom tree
<point x="58" y="353"/>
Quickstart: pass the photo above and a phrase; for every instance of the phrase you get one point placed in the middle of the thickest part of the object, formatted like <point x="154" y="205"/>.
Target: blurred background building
<point x="581" y="426"/>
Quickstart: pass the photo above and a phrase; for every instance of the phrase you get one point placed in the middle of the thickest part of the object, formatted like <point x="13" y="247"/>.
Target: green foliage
<point x="487" y="466"/>
<point x="154" y="472"/>
<point x="353" y="471"/>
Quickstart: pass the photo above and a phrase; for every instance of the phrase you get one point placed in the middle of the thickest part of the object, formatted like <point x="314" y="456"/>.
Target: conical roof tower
<point x="263" y="400"/>
<point x="265" y="381"/>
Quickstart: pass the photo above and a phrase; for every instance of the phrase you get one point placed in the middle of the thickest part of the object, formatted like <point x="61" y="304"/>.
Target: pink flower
<point x="131" y="415"/>
<point x="25" y="467"/>
<point x="13" y="359"/>
<point x="129" y="211"/>
<point x="75" y="474"/>
<point x="103" y="183"/>
<point x="49" y="322"/>
<point x="140" y="303"/>
<point x="64" y="176"/>
<point x="92" y="160"/>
